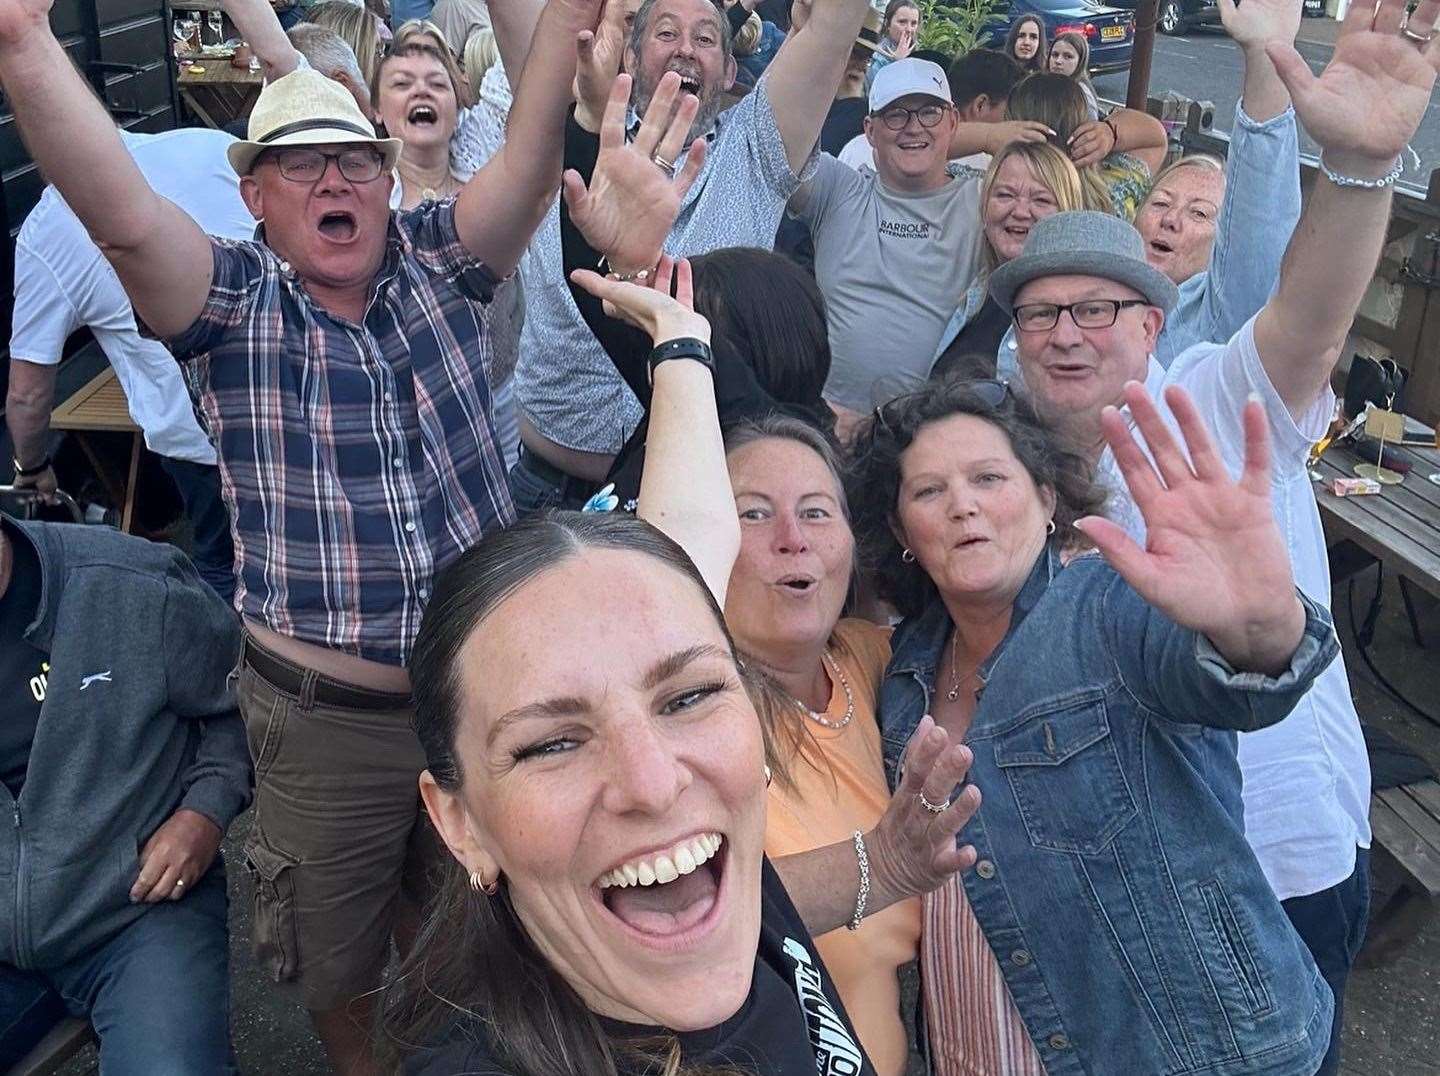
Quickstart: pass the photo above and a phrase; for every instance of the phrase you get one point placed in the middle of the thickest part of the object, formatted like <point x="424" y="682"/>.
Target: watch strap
<point x="30" y="472"/>
<point x="686" y="347"/>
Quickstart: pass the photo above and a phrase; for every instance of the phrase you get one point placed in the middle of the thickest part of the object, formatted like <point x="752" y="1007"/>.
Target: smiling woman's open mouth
<point x="670" y="896"/>
<point x="423" y="114"/>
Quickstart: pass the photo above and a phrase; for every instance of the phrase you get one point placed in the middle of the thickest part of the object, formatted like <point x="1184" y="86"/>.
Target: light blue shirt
<point x="1260" y="209"/>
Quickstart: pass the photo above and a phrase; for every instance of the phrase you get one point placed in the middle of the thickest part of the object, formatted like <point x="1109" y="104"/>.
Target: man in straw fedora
<point x="338" y="362"/>
<point x="1088" y="308"/>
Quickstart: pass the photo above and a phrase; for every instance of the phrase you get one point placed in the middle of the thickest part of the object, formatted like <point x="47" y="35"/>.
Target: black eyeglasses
<point x="360" y="165"/>
<point x="1088" y="314"/>
<point x="897" y="119"/>
<point x="990" y="391"/>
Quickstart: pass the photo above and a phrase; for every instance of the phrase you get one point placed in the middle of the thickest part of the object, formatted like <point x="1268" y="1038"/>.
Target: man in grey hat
<point x="1088" y="308"/>
<point x="338" y="362"/>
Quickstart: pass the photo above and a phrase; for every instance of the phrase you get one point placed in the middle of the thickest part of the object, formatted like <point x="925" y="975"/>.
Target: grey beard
<point x="704" y="118"/>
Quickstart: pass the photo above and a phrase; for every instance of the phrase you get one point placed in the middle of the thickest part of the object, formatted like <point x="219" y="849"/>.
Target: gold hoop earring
<point x="907" y="556"/>
<point x="476" y="882"/>
<point x="1050" y="527"/>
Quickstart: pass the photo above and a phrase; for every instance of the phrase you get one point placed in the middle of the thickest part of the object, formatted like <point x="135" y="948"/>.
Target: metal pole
<point x="1137" y="94"/>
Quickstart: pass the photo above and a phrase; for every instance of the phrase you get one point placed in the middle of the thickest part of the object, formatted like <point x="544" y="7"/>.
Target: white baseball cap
<point x="906" y="77"/>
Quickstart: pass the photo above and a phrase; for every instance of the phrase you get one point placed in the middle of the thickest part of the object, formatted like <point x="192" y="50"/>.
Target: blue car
<point x="1109" y="31"/>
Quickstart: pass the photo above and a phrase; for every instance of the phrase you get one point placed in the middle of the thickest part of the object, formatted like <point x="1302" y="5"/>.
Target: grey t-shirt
<point x="893" y="268"/>
<point x="567" y="386"/>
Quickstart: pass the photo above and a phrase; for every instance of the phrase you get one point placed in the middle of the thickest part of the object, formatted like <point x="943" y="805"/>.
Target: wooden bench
<point x="62" y="1042"/>
<point x="1406" y="826"/>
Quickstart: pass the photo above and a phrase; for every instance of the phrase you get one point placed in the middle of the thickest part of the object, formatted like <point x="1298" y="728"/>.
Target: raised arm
<point x="1253" y="28"/>
<point x="1362" y="110"/>
<point x="159" y="252"/>
<point x="1125" y="130"/>
<point x="260" y="28"/>
<point x="802" y="79"/>
<point x="502" y="205"/>
<point x="514" y="23"/>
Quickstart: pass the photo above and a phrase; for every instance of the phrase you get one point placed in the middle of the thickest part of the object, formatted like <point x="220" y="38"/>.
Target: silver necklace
<point x="839" y="675"/>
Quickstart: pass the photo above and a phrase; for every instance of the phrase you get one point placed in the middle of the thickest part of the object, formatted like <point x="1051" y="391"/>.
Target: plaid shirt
<point x="356" y="460"/>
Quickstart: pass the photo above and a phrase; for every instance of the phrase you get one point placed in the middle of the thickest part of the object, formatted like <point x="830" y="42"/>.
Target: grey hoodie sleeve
<point x="202" y="646"/>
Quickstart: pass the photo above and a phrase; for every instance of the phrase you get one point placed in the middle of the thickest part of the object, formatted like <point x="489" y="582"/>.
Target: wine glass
<point x="217" y="27"/>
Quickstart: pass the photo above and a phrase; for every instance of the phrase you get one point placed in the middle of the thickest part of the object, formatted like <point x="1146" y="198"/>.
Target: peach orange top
<point x="844" y="790"/>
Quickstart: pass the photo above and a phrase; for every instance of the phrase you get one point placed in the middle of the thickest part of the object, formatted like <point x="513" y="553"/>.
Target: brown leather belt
<point x="289" y="678"/>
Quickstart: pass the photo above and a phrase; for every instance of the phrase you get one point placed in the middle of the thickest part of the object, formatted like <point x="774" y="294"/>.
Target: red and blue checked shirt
<point x="357" y="460"/>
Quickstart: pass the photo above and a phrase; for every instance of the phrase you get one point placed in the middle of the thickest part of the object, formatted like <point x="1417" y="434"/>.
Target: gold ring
<point x="1419" y="39"/>
<point x="667" y="166"/>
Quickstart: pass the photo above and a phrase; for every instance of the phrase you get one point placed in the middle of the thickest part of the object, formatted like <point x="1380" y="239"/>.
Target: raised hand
<point x="906" y="44"/>
<point x="999" y="135"/>
<point x="1256" y="23"/>
<point x="634" y="194"/>
<point x="1091" y="143"/>
<point x="598" y="55"/>
<point x="913" y="849"/>
<point x="1366" y="105"/>
<point x="651" y="307"/>
<point x="1214" y="559"/>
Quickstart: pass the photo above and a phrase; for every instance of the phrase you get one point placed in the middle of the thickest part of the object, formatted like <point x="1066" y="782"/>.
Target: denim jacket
<point x="1261" y="206"/>
<point x="1131" y="921"/>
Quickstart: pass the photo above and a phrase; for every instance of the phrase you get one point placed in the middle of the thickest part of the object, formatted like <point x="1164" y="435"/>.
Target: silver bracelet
<point x="1387" y="180"/>
<point x="862" y="898"/>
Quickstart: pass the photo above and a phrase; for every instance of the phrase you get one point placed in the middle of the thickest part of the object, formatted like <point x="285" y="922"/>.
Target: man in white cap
<point x="896" y="248"/>
<point x="338" y="362"/>
<point x="1088" y="309"/>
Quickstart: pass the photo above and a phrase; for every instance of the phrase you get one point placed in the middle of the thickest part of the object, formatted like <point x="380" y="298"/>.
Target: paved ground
<point x="1205" y="65"/>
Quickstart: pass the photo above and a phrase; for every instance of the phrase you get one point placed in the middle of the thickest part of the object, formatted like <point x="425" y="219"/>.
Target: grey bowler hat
<point x="1083" y="242"/>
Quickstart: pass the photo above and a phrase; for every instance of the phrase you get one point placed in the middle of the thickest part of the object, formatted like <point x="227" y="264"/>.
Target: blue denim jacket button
<point x="1059" y="1041"/>
<point x="1020" y="958"/>
<point x="985" y="869"/>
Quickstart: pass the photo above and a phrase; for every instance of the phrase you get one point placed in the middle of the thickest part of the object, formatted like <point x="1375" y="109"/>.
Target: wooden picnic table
<point x="218" y="93"/>
<point x="101" y="407"/>
<point x="1399" y="526"/>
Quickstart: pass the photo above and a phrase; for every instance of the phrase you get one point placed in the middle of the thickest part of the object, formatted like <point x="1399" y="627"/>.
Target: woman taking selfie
<point x="609" y="908"/>
<point x="1117" y="920"/>
<point x="787" y="591"/>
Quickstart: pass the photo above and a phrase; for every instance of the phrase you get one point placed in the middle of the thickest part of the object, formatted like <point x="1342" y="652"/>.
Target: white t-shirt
<point x="64" y="283"/>
<point x="859" y="153"/>
<point x="1307" y="779"/>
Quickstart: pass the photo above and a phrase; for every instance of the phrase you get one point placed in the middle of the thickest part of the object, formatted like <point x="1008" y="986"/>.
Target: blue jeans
<point x="536" y="484"/>
<point x="1331" y="923"/>
<point x="157" y="994"/>
<point x="214" y="555"/>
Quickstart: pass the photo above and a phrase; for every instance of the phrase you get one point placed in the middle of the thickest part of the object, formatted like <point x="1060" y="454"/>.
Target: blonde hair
<point x="356" y="27"/>
<point x="747" y="38"/>
<point x="481" y="54"/>
<point x="1190" y="160"/>
<point x="420" y="37"/>
<point x="1051" y="169"/>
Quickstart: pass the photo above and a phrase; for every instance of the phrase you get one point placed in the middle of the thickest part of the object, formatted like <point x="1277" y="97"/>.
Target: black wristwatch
<point x="31" y="472"/>
<point x="687" y="347"/>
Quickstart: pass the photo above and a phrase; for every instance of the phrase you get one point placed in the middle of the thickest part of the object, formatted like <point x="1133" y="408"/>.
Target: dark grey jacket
<point x="155" y="728"/>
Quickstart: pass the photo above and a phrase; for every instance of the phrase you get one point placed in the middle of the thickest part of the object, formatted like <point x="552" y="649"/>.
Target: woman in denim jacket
<point x="1122" y="910"/>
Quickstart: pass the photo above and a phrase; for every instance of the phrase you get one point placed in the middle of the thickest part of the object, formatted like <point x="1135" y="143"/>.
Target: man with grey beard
<point x="575" y="411"/>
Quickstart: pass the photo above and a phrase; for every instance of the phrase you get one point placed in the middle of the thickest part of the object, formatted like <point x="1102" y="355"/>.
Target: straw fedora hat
<point x="304" y="108"/>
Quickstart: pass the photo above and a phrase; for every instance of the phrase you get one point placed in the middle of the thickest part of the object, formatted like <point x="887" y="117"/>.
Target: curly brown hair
<point x="873" y="475"/>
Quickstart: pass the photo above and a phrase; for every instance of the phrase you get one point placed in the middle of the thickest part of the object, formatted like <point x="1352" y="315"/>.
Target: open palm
<point x="1373" y="93"/>
<point x="598" y="57"/>
<point x="632" y="200"/>
<point x="1214" y="559"/>
<point x="1256" y="23"/>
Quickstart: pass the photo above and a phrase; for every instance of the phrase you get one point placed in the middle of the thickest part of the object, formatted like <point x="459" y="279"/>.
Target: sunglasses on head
<point x="992" y="392"/>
